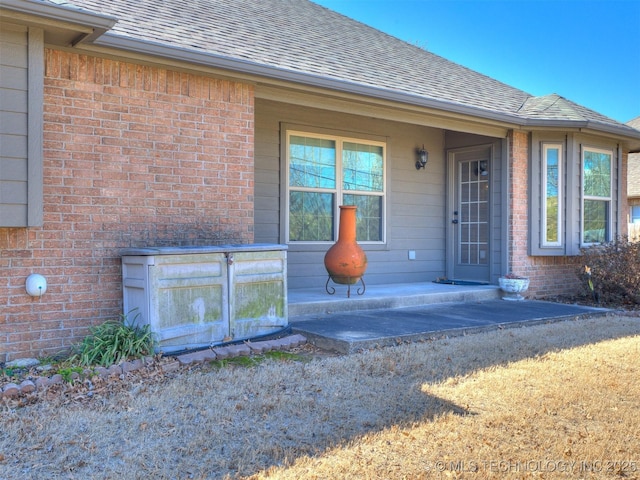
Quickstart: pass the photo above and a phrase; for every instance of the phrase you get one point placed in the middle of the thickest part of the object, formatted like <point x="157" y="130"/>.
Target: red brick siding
<point x="549" y="276"/>
<point x="133" y="156"/>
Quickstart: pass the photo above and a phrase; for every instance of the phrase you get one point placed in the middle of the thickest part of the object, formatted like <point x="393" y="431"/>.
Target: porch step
<point x="376" y="297"/>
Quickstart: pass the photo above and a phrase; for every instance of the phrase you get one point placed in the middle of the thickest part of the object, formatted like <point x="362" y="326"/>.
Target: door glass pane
<point x="473" y="233"/>
<point x="464" y="172"/>
<point x="464" y="191"/>
<point x="484" y="191"/>
<point x="464" y="253"/>
<point x="464" y="233"/>
<point x="464" y="213"/>
<point x="310" y="216"/>
<point x="473" y="254"/>
<point x="312" y="162"/>
<point x="473" y="192"/>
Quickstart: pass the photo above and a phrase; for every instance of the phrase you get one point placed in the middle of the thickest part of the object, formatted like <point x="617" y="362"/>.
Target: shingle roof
<point x="305" y="38"/>
<point x="555" y="107"/>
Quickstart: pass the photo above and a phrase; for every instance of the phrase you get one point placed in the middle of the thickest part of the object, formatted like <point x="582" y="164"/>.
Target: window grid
<point x="474" y="204"/>
<point x="351" y="169"/>
<point x="596" y="195"/>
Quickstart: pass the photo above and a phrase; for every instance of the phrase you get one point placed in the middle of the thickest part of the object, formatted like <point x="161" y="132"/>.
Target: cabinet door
<point x="189" y="299"/>
<point x="258" y="293"/>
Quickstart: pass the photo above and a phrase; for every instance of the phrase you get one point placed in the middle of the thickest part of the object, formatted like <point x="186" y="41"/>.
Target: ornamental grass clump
<point x="610" y="272"/>
<point x="114" y="342"/>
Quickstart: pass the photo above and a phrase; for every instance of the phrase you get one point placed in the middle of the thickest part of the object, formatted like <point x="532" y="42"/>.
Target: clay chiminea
<point x="345" y="261"/>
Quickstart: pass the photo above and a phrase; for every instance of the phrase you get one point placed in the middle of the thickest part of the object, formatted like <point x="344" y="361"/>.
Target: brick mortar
<point x="549" y="276"/>
<point x="134" y="156"/>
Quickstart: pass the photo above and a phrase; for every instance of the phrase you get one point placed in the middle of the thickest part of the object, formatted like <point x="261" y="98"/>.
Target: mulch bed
<point x="92" y="384"/>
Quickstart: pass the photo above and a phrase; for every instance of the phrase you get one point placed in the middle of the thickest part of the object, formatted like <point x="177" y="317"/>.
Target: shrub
<point x="611" y="272"/>
<point x="114" y="342"/>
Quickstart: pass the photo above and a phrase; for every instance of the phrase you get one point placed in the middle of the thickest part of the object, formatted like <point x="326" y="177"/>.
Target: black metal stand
<point x="331" y="290"/>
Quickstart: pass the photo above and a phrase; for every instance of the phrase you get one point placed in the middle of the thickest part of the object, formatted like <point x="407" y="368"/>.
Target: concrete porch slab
<point x="352" y="331"/>
<point x="376" y="297"/>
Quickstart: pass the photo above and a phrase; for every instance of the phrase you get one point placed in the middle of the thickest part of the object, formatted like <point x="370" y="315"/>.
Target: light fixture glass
<point x="423" y="158"/>
<point x="36" y="285"/>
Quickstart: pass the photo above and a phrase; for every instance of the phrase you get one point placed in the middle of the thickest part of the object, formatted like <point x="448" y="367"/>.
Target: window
<point x="574" y="198"/>
<point x="551" y="195"/>
<point x="325" y="172"/>
<point x="596" y="196"/>
<point x="635" y="214"/>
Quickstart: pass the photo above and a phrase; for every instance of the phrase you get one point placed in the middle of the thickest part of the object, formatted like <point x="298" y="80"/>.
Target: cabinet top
<point x="251" y="247"/>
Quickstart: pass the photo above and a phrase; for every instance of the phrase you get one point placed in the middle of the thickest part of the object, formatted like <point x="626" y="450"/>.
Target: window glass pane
<point x="368" y="216"/>
<point x="635" y="214"/>
<point x="312" y="162"/>
<point x="552" y="194"/>
<point x="597" y="174"/>
<point x="362" y="167"/>
<point x="310" y="216"/>
<point x="596" y="221"/>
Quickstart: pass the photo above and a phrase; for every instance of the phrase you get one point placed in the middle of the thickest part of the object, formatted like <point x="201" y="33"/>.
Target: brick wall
<point x="549" y="276"/>
<point x="133" y="156"/>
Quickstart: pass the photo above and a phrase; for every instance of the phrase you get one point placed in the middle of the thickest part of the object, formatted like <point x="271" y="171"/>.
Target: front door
<point x="469" y="242"/>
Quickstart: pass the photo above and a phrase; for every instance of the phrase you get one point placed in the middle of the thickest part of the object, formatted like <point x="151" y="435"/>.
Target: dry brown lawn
<point x="548" y="401"/>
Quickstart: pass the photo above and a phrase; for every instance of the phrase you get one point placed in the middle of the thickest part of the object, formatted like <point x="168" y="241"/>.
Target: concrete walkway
<point x="387" y="315"/>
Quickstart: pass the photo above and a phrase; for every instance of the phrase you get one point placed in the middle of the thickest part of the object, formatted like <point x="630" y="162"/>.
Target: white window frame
<point x="338" y="191"/>
<point x="609" y="199"/>
<point x="559" y="219"/>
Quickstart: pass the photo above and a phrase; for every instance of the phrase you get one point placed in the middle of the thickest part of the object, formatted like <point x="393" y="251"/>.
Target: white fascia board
<point x="60" y="12"/>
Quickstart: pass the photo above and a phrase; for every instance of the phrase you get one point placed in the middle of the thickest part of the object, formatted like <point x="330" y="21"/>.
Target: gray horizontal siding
<point x="14" y="82"/>
<point x="415" y="199"/>
<point x="21" y="87"/>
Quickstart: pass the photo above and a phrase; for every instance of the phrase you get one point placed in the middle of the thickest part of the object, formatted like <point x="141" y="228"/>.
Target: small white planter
<point x="513" y="287"/>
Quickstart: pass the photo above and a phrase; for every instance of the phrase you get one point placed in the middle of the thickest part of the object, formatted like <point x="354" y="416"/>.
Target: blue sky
<point x="587" y="51"/>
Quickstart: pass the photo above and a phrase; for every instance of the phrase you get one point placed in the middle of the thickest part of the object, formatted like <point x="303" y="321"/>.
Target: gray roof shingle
<point x="305" y="38"/>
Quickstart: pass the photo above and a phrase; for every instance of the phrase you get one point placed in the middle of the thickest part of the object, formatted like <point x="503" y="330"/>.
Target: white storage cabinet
<point x="194" y="297"/>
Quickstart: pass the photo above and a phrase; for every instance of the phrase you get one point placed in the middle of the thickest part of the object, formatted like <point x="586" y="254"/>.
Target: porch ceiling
<point x="381" y="109"/>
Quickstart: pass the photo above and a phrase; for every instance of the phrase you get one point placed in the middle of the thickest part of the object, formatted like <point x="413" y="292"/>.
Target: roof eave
<point x="64" y="13"/>
<point x="628" y="133"/>
<point x="78" y="25"/>
<point x="248" y="67"/>
<point x="207" y="59"/>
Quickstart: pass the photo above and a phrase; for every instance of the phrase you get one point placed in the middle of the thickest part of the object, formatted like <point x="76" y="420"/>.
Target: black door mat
<point x="446" y="281"/>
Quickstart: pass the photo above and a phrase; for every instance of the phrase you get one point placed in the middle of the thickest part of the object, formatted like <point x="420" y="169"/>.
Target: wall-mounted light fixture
<point x="36" y="285"/>
<point x="423" y="158"/>
<point x="482" y="168"/>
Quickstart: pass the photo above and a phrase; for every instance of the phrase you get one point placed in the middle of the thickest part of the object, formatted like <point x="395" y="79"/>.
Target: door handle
<point x="454" y="220"/>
